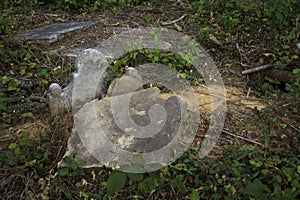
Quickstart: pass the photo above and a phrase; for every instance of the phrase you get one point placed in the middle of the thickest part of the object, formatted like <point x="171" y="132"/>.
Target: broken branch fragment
<point x="174" y="21"/>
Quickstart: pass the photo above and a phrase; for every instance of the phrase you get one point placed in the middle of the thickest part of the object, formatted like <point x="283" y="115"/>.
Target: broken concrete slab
<point x="53" y="32"/>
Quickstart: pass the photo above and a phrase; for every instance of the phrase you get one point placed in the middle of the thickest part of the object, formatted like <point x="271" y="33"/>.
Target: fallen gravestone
<point x="128" y="127"/>
<point x="97" y="140"/>
<point x="94" y="121"/>
<point x="53" y="32"/>
<point x="91" y="66"/>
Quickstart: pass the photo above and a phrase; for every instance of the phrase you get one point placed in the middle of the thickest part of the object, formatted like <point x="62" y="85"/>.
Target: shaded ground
<point x="258" y="120"/>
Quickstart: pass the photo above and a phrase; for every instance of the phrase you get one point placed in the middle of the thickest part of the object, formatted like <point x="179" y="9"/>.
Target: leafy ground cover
<point x="239" y="35"/>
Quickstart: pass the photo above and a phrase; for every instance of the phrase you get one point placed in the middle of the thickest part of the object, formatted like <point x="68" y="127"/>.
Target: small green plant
<point x="115" y="182"/>
<point x="12" y="83"/>
<point x="148" y="18"/>
<point x="184" y="67"/>
<point x="6" y="22"/>
<point x="281" y="13"/>
<point x="91" y="5"/>
<point x="73" y="171"/>
<point x="29" y="151"/>
<point x="229" y="23"/>
<point x="295" y="88"/>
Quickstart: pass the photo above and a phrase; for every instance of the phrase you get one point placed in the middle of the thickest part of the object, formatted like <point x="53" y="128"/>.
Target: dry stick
<point x="174" y="21"/>
<point x="37" y="98"/>
<point x="252" y="141"/>
<point x="151" y="193"/>
<point x="256" y="69"/>
<point x="289" y="124"/>
<point x="239" y="50"/>
<point x="30" y="98"/>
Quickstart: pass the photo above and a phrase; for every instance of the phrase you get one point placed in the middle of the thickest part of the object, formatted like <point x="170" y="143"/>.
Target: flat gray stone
<point x="53" y="32"/>
<point x="98" y="140"/>
<point x="118" y="45"/>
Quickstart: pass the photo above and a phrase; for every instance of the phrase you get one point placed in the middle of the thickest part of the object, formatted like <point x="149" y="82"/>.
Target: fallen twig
<point x="174" y="21"/>
<point x="239" y="50"/>
<point x="37" y="98"/>
<point x="30" y="98"/>
<point x="289" y="124"/>
<point x="256" y="69"/>
<point x="243" y="138"/>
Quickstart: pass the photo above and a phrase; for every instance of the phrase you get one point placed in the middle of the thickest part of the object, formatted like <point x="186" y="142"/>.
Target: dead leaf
<point x="178" y="28"/>
<point x="214" y="40"/>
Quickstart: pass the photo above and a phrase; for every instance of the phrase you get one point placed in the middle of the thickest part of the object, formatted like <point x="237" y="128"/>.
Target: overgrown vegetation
<point x="135" y="58"/>
<point x="276" y="21"/>
<point x="240" y="171"/>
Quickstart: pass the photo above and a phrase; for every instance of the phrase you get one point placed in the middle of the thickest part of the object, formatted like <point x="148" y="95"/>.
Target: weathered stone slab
<point x="98" y="140"/>
<point x="126" y="41"/>
<point x="138" y="131"/>
<point x="51" y="33"/>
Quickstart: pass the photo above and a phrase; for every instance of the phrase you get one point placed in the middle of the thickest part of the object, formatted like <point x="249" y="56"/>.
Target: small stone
<point x="129" y="129"/>
<point x="141" y="113"/>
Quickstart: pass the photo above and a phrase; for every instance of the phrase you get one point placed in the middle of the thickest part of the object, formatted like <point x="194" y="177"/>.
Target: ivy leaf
<point x="195" y="195"/>
<point x="135" y="177"/>
<point x="178" y="183"/>
<point x="256" y="164"/>
<point x="296" y="71"/>
<point x="255" y="189"/>
<point x="149" y="184"/>
<point x="12" y="84"/>
<point x="236" y="172"/>
<point x="27" y="143"/>
<point x="12" y="146"/>
<point x="68" y="195"/>
<point x="63" y="172"/>
<point x="27" y="115"/>
<point x="116" y="182"/>
<point x="288" y="173"/>
<point x="27" y="57"/>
